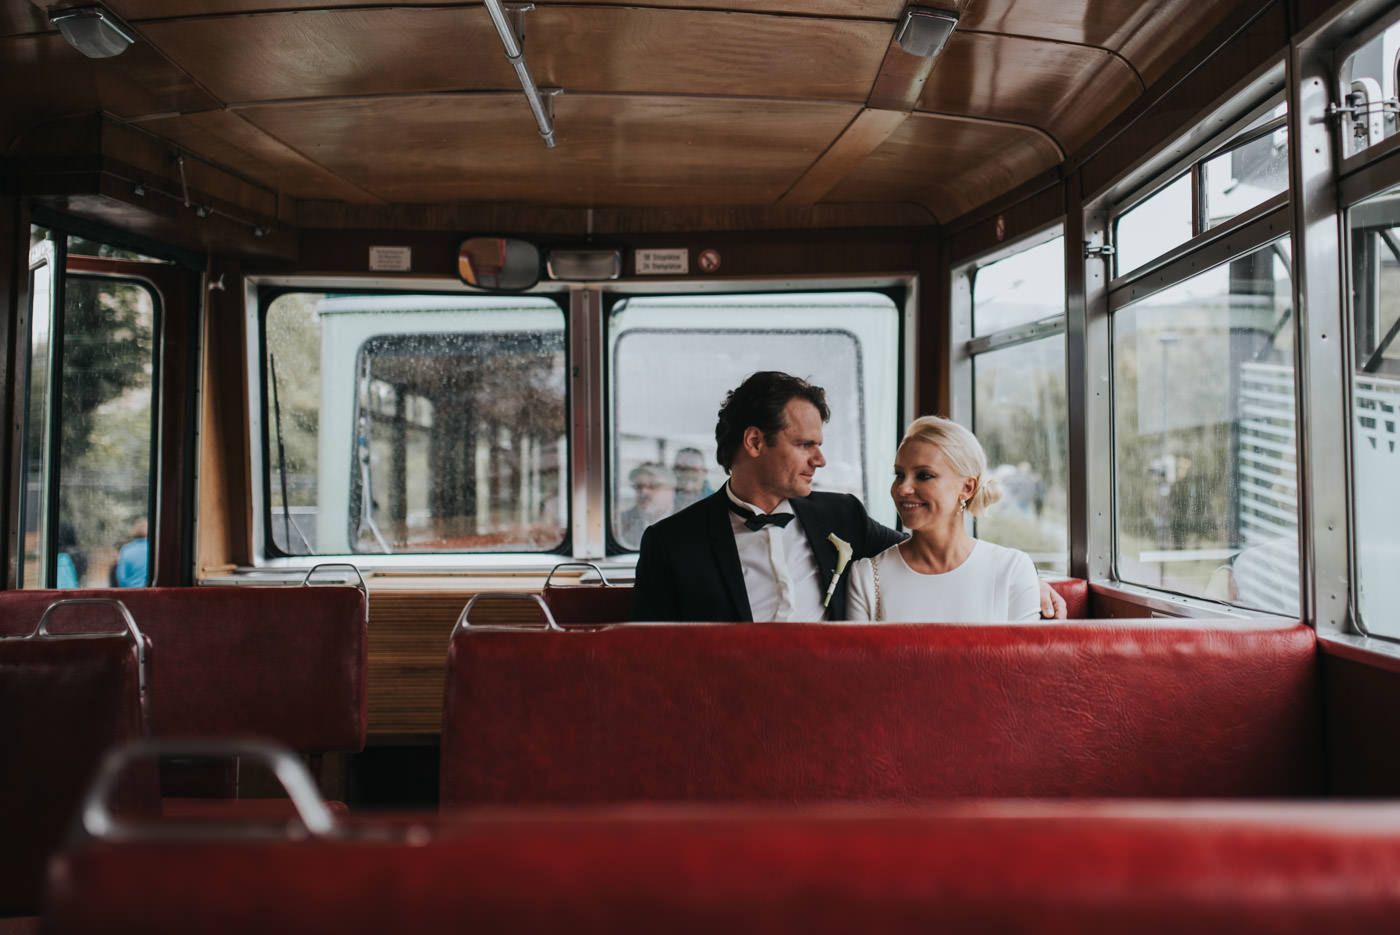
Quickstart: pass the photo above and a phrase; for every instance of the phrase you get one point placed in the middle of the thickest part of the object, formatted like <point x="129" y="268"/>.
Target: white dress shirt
<point x="780" y="571"/>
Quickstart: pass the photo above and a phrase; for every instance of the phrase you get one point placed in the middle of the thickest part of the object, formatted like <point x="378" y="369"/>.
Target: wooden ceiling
<point x="737" y="104"/>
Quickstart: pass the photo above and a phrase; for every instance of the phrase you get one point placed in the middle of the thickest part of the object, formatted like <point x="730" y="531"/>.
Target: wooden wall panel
<point x="224" y="504"/>
<point x="338" y="52"/>
<point x="227" y="138"/>
<point x="138" y="83"/>
<point x="578" y="223"/>
<point x="400" y="50"/>
<point x="1026" y="216"/>
<point x="612" y="150"/>
<point x="408" y="635"/>
<point x="1176" y="27"/>
<point x="1359" y="697"/>
<point x="1168" y="117"/>
<point x="949" y="165"/>
<point x="1030" y="82"/>
<point x="846" y="9"/>
<point x="18" y="18"/>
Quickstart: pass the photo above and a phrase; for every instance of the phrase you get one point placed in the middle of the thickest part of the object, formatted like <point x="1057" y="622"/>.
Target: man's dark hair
<point x="760" y="401"/>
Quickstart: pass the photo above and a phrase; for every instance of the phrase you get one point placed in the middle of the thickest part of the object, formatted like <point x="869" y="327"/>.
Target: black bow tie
<point x="757" y="521"/>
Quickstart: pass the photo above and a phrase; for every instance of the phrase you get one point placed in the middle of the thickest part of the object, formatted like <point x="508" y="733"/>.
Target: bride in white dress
<point x="940" y="573"/>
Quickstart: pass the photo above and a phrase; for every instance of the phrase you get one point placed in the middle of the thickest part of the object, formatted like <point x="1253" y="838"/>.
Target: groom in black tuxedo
<point x="761" y="548"/>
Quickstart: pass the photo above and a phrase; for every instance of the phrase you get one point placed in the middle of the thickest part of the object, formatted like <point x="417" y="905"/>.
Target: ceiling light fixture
<point x="923" y="32"/>
<point x="93" y="31"/>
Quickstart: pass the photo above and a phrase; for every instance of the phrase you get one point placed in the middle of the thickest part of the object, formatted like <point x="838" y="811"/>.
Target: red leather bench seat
<point x="1064" y="867"/>
<point x="286" y="664"/>
<point x="63" y="704"/>
<point x="812" y="712"/>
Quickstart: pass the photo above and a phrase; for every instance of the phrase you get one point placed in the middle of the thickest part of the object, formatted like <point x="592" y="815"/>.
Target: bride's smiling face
<point x="926" y="489"/>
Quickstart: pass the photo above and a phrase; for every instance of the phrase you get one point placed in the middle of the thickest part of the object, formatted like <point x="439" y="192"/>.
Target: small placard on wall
<point x="663" y="262"/>
<point x="391" y="259"/>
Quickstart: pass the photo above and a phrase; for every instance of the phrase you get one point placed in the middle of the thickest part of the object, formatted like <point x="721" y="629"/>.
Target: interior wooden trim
<point x="862" y="136"/>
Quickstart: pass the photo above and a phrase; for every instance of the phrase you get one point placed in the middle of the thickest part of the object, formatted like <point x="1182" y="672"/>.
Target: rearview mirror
<point x="499" y="264"/>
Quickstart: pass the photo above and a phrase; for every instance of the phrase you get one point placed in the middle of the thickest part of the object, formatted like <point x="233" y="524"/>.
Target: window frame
<point x="66" y="266"/>
<point x="1217" y="132"/>
<point x="261" y="292"/>
<point x="1213" y="136"/>
<point x="900" y="292"/>
<point x="588" y="480"/>
<point x="1368" y="173"/>
<point x="964" y="348"/>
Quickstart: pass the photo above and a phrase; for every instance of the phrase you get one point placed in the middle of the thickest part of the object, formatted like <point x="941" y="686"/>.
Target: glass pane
<point x="1368" y="80"/>
<point x="1020" y="418"/>
<point x="415" y="423"/>
<point x="1025" y="287"/>
<point x="34" y="506"/>
<point x="105" y="468"/>
<point x="669" y="378"/>
<point x="1154" y="226"/>
<point x="1248" y="174"/>
<point x="1205" y="456"/>
<point x="1375" y="240"/>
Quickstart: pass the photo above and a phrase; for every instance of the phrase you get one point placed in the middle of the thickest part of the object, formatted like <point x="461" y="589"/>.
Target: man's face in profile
<point x="785" y="467"/>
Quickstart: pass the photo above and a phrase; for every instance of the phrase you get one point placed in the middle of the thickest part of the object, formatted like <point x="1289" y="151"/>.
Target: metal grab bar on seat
<point x="98" y="822"/>
<point x="464" y="623"/>
<point x="601" y="576"/>
<point x="41" y="631"/>
<point x="364" y="589"/>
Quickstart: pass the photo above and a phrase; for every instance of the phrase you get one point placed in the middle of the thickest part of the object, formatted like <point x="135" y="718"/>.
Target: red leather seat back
<point x="1075" y="591"/>
<point x="805" y="712"/>
<point x="287" y="664"/>
<point x="984" y="867"/>
<point x="585" y="604"/>
<point x="63" y="704"/>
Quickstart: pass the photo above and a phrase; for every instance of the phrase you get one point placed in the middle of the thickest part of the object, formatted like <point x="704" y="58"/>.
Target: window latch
<point x="1102" y="250"/>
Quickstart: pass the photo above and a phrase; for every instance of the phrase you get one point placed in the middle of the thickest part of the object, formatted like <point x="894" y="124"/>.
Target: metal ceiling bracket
<point x="549" y="94"/>
<point x="515" y="15"/>
<point x="510" y="26"/>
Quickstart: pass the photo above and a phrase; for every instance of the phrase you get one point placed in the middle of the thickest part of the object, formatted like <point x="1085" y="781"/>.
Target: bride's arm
<point x="860" y="594"/>
<point x="1024" y="585"/>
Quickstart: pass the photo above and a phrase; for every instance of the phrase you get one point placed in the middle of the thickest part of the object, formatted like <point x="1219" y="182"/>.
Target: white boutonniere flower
<point x="843" y="558"/>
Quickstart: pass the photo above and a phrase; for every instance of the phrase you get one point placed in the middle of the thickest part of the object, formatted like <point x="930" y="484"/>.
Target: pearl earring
<point x="962" y="506"/>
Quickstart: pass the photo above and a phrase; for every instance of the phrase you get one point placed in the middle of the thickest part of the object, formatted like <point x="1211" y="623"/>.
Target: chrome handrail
<point x="364" y="589"/>
<point x="464" y="623"/>
<point x="97" y="821"/>
<point x="41" y="630"/>
<point x="602" y="577"/>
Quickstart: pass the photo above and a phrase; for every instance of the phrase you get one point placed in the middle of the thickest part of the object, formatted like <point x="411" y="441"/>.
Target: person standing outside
<point x="130" y="569"/>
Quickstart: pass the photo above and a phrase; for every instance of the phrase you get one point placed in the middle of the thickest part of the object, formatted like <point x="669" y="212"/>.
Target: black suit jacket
<point x="689" y="570"/>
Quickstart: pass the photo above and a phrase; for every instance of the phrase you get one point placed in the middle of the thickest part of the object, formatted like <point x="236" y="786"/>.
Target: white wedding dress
<point x="993" y="585"/>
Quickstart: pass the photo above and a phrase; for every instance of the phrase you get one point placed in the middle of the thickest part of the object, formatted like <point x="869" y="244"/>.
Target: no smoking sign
<point x="708" y="260"/>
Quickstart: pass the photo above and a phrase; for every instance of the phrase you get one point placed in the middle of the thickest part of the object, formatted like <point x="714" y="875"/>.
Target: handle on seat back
<point x="602" y="577"/>
<point x="464" y="623"/>
<point x="364" y="590"/>
<point x="41" y="630"/>
<point x="98" y="822"/>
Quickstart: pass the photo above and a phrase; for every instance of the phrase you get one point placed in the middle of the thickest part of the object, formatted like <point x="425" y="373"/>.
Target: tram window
<point x="1368" y="81"/>
<point x="1375" y="256"/>
<point x="1205" y="445"/>
<point x="1247" y="171"/>
<point x="669" y="376"/>
<point x="1154" y="225"/>
<point x="1021" y="411"/>
<point x="1243" y="172"/>
<point x="1020" y="408"/>
<point x="414" y="423"/>
<point x="87" y="448"/>
<point x="1026" y="286"/>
